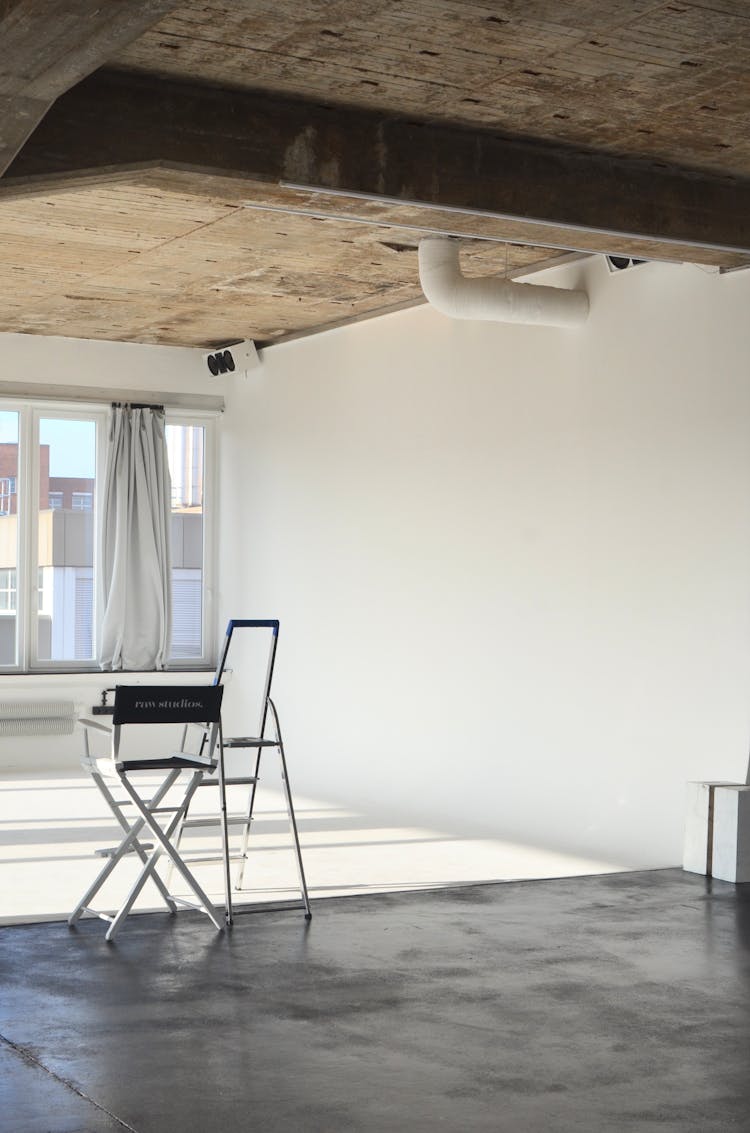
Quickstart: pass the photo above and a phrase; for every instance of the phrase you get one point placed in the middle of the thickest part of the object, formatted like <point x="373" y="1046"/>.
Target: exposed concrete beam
<point x="48" y="45"/>
<point x="115" y="119"/>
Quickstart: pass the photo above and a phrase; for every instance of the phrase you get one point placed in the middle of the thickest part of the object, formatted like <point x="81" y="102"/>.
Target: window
<point x="66" y="455"/>
<point x="51" y="465"/>
<point x="42" y="603"/>
<point x="7" y="495"/>
<point x="7" y="591"/>
<point x="186" y="446"/>
<point x="9" y="435"/>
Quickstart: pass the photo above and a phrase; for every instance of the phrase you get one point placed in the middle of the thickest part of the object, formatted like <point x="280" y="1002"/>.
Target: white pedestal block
<point x="731" y="840"/>
<point x="717" y="830"/>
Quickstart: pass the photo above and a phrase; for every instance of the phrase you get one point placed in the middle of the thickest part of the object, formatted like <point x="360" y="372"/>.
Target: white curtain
<point x="135" y="575"/>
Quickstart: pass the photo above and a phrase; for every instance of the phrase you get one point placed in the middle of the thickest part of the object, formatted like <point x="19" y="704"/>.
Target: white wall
<point x="101" y="365"/>
<point x="512" y="564"/>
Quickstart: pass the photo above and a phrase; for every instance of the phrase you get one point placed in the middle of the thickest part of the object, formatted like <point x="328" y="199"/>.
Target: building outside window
<point x="7" y="495"/>
<point x="56" y="458"/>
<point x="7" y="591"/>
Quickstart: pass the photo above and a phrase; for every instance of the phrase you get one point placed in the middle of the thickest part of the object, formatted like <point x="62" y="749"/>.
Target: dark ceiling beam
<point x="48" y="45"/>
<point x="115" y="119"/>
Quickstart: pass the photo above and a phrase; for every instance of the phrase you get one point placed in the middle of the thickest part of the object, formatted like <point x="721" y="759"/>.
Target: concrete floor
<point x="599" y="1004"/>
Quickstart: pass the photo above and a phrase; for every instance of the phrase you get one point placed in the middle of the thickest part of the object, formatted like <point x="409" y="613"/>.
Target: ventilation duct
<point x="490" y="298"/>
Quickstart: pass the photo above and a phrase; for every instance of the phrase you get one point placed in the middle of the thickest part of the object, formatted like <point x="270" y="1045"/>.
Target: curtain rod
<point x="137" y="405"/>
<point x="44" y="391"/>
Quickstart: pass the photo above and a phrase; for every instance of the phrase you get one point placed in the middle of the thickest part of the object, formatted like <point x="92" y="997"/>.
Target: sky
<point x="72" y="443"/>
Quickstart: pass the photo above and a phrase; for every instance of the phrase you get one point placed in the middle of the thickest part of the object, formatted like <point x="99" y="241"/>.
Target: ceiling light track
<point x="371" y="222"/>
<point x="425" y="230"/>
<point x="460" y="210"/>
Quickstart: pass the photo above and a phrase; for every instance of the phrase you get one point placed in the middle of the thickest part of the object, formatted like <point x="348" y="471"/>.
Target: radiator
<point x="37" y="717"/>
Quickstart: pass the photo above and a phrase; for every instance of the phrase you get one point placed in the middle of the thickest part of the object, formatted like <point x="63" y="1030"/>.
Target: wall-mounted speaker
<point x="622" y="263"/>
<point x="237" y="357"/>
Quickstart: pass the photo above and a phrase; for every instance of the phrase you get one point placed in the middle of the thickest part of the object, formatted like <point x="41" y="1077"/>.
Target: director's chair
<point x="198" y="709"/>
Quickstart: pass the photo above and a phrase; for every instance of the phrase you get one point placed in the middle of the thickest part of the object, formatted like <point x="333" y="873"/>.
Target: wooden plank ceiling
<point x="260" y="169"/>
<point x="667" y="80"/>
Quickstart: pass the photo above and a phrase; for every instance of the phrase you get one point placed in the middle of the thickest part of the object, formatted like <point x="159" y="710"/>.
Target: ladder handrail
<point x="259" y="742"/>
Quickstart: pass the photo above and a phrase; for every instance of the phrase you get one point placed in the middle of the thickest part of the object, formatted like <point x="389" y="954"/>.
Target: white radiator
<point x="37" y="717"/>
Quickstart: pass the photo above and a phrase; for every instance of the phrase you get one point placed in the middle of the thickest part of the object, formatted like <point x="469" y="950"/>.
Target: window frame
<point x="207" y="660"/>
<point x="8" y="590"/>
<point x="79" y="499"/>
<point x="28" y="656"/>
<point x="12" y="482"/>
<point x="27" y="554"/>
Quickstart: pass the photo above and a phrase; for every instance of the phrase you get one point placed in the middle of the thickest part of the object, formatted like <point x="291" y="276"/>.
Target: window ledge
<point x="100" y="677"/>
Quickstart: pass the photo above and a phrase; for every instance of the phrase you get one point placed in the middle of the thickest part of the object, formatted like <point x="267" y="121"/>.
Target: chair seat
<point x="166" y="763"/>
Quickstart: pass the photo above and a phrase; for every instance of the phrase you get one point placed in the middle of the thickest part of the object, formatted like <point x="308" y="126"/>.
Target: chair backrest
<point x="167" y="704"/>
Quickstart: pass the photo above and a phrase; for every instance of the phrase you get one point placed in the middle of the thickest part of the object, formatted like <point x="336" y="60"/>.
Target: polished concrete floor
<point x="594" y="1005"/>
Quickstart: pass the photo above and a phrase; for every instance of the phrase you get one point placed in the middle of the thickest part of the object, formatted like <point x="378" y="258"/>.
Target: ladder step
<point x="232" y="820"/>
<point x="202" y="859"/>
<point x="248" y="741"/>
<point x="233" y="781"/>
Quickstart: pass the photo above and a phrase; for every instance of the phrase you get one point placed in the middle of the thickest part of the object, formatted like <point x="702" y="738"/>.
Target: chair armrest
<point x="88" y="722"/>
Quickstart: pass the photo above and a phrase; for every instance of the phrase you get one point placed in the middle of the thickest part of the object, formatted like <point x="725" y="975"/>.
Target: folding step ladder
<point x="255" y="746"/>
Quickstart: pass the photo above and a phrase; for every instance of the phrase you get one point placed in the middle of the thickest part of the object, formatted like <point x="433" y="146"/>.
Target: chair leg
<point x="178" y="840"/>
<point x="102" y="876"/>
<point x="129" y="842"/>
<point x="177" y="844"/>
<point x="149" y="869"/>
<point x="167" y="848"/>
<point x="142" y="854"/>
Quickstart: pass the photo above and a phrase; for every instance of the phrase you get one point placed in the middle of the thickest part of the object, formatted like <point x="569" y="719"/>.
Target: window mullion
<point x="64" y="629"/>
<point x="99" y="487"/>
<point x="192" y="468"/>
<point x="32" y="562"/>
<point x="210" y="479"/>
<point x="27" y="534"/>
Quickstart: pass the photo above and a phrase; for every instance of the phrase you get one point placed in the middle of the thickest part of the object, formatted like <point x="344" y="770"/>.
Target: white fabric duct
<point x="492" y="299"/>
